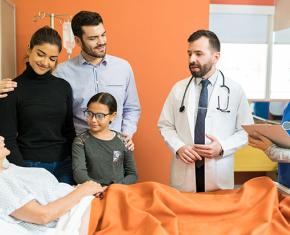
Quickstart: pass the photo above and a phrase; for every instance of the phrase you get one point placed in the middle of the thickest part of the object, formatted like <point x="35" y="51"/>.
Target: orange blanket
<point x="155" y="209"/>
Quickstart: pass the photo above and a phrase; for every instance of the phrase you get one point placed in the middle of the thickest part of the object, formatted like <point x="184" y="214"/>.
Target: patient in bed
<point x="33" y="197"/>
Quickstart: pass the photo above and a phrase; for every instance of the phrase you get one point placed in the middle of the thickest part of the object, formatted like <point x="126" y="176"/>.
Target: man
<point x="202" y="120"/>
<point x="94" y="71"/>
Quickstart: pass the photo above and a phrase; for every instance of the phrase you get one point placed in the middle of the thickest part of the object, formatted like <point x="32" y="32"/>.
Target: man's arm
<point x="131" y="107"/>
<point x="166" y="125"/>
<point x="240" y="137"/>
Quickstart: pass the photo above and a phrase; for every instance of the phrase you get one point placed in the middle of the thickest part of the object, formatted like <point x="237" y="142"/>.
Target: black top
<point x="36" y="118"/>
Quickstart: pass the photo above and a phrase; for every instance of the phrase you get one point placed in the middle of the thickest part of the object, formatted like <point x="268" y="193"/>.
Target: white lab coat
<point x="177" y="130"/>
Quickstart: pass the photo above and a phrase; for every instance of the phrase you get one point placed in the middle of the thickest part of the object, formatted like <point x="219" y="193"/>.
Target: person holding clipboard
<point x="274" y="152"/>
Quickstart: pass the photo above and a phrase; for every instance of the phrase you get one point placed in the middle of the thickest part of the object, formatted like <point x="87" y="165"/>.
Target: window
<point x="249" y="53"/>
<point x="246" y="64"/>
<point x="280" y="77"/>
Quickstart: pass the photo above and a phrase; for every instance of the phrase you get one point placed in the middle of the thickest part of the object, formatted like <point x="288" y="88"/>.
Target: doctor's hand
<point x="211" y="150"/>
<point x="187" y="154"/>
<point x="6" y="85"/>
<point x="259" y="141"/>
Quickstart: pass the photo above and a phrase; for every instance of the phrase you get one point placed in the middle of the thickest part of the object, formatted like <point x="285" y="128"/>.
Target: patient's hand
<point x="101" y="195"/>
<point x="91" y="188"/>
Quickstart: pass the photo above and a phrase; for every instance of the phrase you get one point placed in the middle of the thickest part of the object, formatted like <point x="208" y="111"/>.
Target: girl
<point x="36" y="118"/>
<point x="99" y="154"/>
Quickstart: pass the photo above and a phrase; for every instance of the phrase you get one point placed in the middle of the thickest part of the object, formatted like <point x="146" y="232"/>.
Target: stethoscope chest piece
<point x="181" y="108"/>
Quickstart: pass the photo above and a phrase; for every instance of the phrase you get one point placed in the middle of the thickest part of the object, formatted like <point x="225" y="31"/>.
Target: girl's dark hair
<point x="105" y="99"/>
<point x="45" y="35"/>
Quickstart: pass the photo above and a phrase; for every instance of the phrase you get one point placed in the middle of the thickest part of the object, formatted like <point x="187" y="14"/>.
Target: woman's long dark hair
<point x="46" y="35"/>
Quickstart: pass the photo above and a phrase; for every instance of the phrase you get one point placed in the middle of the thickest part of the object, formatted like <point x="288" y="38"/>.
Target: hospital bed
<point x="77" y="221"/>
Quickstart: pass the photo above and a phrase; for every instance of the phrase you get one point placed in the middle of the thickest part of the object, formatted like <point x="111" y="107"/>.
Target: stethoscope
<point x="224" y="110"/>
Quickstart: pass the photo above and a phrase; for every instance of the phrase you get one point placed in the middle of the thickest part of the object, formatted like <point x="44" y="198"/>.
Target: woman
<point x="274" y="152"/>
<point x="33" y="198"/>
<point x="36" y="118"/>
<point x="100" y="154"/>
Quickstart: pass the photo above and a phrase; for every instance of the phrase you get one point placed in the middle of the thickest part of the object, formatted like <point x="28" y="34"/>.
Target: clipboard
<point x="283" y="189"/>
<point x="274" y="132"/>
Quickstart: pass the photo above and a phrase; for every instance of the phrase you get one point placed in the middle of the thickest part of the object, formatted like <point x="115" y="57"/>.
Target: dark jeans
<point x="61" y="170"/>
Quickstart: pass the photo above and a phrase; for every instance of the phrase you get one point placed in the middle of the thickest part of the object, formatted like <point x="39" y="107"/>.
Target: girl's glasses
<point x="98" y="116"/>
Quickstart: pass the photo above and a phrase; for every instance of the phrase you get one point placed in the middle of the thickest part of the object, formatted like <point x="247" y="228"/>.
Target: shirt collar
<point x="82" y="60"/>
<point x="212" y="79"/>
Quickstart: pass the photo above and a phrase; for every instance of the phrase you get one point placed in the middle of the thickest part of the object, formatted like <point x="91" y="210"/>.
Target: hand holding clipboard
<point x="275" y="133"/>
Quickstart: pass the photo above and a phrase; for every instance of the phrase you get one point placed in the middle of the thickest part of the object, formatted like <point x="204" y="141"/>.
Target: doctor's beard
<point x="203" y="69"/>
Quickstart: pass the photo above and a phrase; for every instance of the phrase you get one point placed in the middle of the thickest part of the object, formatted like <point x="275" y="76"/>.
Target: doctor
<point x="201" y="120"/>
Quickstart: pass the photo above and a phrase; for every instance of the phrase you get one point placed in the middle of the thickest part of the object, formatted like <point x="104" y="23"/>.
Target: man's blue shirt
<point x="113" y="75"/>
